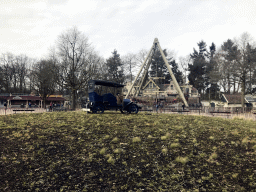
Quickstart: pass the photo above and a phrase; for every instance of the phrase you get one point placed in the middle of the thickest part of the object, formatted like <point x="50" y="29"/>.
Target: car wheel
<point x="133" y="108"/>
<point x="99" y="108"/>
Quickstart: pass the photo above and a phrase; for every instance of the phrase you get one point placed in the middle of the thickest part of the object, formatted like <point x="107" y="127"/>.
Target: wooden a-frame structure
<point x="145" y="67"/>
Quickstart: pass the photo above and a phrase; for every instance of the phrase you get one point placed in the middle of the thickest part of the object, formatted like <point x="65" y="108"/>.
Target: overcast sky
<point x="31" y="27"/>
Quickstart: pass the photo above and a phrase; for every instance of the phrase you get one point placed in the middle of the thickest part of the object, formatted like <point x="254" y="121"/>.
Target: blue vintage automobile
<point x="99" y="103"/>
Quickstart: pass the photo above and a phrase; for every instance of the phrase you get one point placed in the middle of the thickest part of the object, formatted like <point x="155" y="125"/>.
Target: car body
<point x="99" y="103"/>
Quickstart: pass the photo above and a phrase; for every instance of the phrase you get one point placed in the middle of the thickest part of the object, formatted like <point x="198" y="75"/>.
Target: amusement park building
<point x="152" y="89"/>
<point x="20" y="100"/>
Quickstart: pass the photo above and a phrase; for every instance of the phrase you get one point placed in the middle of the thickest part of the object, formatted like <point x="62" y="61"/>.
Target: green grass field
<point x="75" y="151"/>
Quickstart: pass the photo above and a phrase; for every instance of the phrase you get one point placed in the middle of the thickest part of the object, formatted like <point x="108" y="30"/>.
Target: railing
<point x="208" y="110"/>
<point x="23" y="110"/>
<point x="4" y="94"/>
<point x="14" y="94"/>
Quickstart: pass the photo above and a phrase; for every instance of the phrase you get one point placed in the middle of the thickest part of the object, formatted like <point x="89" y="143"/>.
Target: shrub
<point x="111" y="160"/>
<point x="115" y="140"/>
<point x="103" y="151"/>
<point x="174" y="145"/>
<point x="182" y="160"/>
<point x="136" y="139"/>
<point x="118" y="150"/>
<point x="164" y="150"/>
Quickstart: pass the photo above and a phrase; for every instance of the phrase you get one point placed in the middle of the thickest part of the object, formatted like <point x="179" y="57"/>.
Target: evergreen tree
<point x="202" y="49"/>
<point x="45" y="74"/>
<point x="212" y="74"/>
<point x="197" y="76"/>
<point x="231" y="53"/>
<point x="115" y="68"/>
<point x="212" y="50"/>
<point x="203" y="53"/>
<point x="177" y="73"/>
<point x="159" y="69"/>
<point x="231" y="50"/>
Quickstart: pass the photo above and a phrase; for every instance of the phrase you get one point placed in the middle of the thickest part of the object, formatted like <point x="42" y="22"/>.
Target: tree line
<point x="67" y="69"/>
<point x="73" y="62"/>
<point x="229" y="69"/>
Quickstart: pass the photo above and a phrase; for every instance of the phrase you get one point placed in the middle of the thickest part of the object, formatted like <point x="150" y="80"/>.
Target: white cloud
<point x="125" y="4"/>
<point x="75" y="7"/>
<point x="37" y="6"/>
<point x="149" y="6"/>
<point x="127" y="25"/>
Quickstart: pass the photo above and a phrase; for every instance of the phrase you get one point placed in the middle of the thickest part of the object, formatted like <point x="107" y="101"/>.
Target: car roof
<point x="105" y="83"/>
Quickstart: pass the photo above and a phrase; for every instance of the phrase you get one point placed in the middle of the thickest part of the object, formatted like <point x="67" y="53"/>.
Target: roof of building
<point x="152" y="81"/>
<point x="33" y="98"/>
<point x="55" y="99"/>
<point x="233" y="98"/>
<point x="250" y="98"/>
<point x="105" y="83"/>
<point x="194" y="89"/>
<point x="192" y="100"/>
<point x="163" y="87"/>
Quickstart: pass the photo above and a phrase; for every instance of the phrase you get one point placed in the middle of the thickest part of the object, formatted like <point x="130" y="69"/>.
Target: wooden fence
<point x="8" y="111"/>
<point x="207" y="111"/>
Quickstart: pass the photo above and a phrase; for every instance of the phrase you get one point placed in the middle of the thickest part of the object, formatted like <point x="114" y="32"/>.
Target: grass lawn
<point x="75" y="151"/>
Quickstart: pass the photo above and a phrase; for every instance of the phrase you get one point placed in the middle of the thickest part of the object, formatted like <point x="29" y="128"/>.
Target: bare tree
<point x="184" y="61"/>
<point x="21" y="70"/>
<point x="229" y="52"/>
<point x="30" y="77"/>
<point x="222" y="73"/>
<point x="129" y="63"/>
<point x="74" y="53"/>
<point x="139" y="59"/>
<point x="44" y="77"/>
<point x="244" y="60"/>
<point x="14" y="71"/>
<point x="100" y="70"/>
<point x="141" y="56"/>
<point x="94" y="69"/>
<point x="1" y="79"/>
<point x="7" y="61"/>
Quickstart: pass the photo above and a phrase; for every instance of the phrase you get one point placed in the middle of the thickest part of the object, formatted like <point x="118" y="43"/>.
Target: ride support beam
<point x="172" y="75"/>
<point x="156" y="44"/>
<point x="143" y="75"/>
<point x="129" y="91"/>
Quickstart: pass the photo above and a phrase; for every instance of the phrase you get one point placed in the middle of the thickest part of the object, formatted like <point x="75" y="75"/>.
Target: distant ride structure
<point x="144" y="71"/>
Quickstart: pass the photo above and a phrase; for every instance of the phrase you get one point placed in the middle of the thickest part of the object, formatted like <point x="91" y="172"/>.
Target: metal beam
<point x="139" y="72"/>
<point x="144" y="75"/>
<point x="156" y="43"/>
<point x="171" y="73"/>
